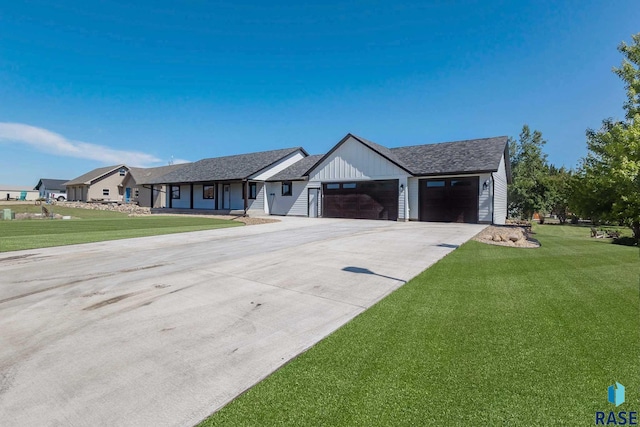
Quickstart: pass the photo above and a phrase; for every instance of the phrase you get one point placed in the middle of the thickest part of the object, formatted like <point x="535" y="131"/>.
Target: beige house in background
<point x="121" y="184"/>
<point x="137" y="187"/>
<point x="101" y="184"/>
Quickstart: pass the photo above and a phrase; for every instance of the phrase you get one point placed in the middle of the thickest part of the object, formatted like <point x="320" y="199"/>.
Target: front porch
<point x="232" y="212"/>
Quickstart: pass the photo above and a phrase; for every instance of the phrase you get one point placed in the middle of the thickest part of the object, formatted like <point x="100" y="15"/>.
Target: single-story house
<point x="47" y="186"/>
<point x="461" y="181"/>
<point x="17" y="192"/>
<point x="122" y="184"/>
<point x="138" y="187"/>
<point x="230" y="183"/>
<point x="99" y="184"/>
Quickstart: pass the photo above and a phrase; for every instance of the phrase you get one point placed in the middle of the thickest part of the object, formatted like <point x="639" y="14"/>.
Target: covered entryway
<point x="449" y="200"/>
<point x="361" y="200"/>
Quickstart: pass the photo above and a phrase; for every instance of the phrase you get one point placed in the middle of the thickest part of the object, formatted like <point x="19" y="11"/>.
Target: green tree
<point x="558" y="194"/>
<point x="527" y="193"/>
<point x="608" y="182"/>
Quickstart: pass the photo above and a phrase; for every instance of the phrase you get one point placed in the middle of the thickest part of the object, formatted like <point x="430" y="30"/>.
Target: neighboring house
<point x="138" y="187"/>
<point x="103" y="184"/>
<point x="17" y="192"/>
<point x="462" y="181"/>
<point x="47" y="186"/>
<point x="227" y="183"/>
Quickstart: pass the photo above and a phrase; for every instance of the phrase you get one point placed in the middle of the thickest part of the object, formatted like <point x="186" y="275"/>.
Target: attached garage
<point x="361" y="200"/>
<point x="449" y="199"/>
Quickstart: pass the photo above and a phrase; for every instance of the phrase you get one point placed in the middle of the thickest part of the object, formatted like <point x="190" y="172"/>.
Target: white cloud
<point x="50" y="142"/>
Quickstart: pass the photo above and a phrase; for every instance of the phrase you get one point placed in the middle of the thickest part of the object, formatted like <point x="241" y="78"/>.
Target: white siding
<point x="237" y="198"/>
<point x="485" y="209"/>
<point x="184" y="202"/>
<point x="198" y="201"/>
<point x="500" y="194"/>
<point x="354" y="161"/>
<point x="296" y="204"/>
<point x="279" y="166"/>
<point x="403" y="199"/>
<point x="258" y="203"/>
<point x="414" y="207"/>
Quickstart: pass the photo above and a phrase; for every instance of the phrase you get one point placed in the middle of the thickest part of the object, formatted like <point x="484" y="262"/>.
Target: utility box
<point x="7" y="214"/>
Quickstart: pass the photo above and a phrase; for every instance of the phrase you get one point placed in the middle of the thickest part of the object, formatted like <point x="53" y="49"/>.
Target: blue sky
<point x="84" y="84"/>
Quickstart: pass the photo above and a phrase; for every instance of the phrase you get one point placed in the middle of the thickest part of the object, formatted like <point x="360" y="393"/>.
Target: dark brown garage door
<point x="449" y="200"/>
<point x="363" y="200"/>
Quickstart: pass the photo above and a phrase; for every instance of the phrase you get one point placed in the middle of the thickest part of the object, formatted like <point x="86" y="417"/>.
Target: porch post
<point x="215" y="195"/>
<point x="170" y="195"/>
<point x="246" y="194"/>
<point x="191" y="195"/>
<point x="151" y="204"/>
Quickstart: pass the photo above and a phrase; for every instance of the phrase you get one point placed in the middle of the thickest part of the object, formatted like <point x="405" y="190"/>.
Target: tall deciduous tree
<point x="609" y="177"/>
<point x="558" y="194"/>
<point x="527" y="193"/>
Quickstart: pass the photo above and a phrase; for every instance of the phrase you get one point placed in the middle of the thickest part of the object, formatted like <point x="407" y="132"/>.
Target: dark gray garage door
<point x="363" y="200"/>
<point x="449" y="200"/>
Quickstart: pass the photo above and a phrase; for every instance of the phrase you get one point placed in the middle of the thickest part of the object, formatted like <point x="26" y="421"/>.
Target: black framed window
<point x="105" y="191"/>
<point x="123" y="171"/>
<point x="286" y="188"/>
<point x="175" y="191"/>
<point x="253" y="190"/>
<point x="208" y="192"/>
<point x="333" y="186"/>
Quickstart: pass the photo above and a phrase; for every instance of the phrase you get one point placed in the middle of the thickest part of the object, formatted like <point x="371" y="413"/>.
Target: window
<point x="105" y="191"/>
<point x="349" y="185"/>
<point x="208" y="192"/>
<point x="455" y="183"/>
<point x="253" y="190"/>
<point x="175" y="191"/>
<point x="435" y="183"/>
<point x="136" y="192"/>
<point x="286" y="188"/>
<point x="333" y="186"/>
<point x="123" y="171"/>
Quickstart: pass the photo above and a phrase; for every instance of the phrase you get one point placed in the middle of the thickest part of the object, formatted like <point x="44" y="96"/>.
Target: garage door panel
<point x="449" y="200"/>
<point x="361" y="200"/>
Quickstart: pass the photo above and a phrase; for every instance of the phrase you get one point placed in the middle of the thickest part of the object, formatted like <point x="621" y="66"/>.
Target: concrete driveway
<point x="166" y="330"/>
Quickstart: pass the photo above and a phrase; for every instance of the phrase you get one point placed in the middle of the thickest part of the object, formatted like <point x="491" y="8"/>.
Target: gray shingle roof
<point x="148" y="175"/>
<point x="51" y="184"/>
<point x="226" y="168"/>
<point x="473" y="155"/>
<point x="90" y="176"/>
<point x="296" y="171"/>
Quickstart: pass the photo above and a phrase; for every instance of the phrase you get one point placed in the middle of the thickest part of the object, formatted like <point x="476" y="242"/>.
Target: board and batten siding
<point x="296" y="204"/>
<point x="355" y="161"/>
<point x="500" y="194"/>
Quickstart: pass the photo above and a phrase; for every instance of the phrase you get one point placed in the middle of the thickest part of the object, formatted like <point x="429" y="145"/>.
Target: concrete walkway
<point x="165" y="330"/>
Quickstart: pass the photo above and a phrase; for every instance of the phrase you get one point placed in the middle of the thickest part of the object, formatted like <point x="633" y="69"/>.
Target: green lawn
<point x="94" y="226"/>
<point x="487" y="336"/>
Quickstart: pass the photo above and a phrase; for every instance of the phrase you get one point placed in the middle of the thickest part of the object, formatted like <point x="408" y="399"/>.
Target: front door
<point x="313" y="202"/>
<point x="226" y="197"/>
<point x="127" y="195"/>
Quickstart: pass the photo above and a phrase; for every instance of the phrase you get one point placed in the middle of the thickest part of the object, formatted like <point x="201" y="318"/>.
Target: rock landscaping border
<point x="507" y="235"/>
